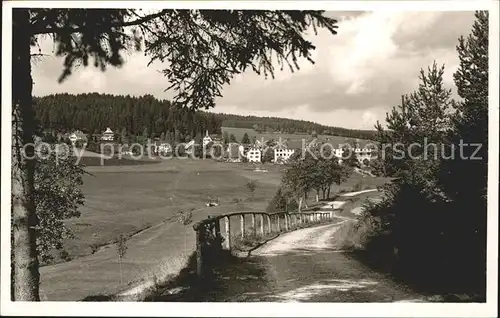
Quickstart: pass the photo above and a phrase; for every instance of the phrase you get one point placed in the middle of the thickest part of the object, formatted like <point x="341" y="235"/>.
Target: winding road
<point x="302" y="266"/>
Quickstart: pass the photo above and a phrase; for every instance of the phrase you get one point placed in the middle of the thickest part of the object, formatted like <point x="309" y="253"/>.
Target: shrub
<point x="64" y="255"/>
<point x="408" y="234"/>
<point x="251" y="185"/>
<point x="58" y="197"/>
<point x="358" y="186"/>
<point x="94" y="247"/>
<point x="282" y="201"/>
<point x="236" y="200"/>
<point x="249" y="241"/>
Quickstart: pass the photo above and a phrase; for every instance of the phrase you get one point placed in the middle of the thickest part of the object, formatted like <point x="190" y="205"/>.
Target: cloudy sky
<point x="359" y="74"/>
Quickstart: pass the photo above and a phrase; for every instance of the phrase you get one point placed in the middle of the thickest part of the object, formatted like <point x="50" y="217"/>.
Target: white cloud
<point x="366" y="42"/>
<point x="359" y="74"/>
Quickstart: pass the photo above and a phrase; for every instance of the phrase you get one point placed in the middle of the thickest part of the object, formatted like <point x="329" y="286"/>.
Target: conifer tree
<point x="464" y="176"/>
<point x="245" y="139"/>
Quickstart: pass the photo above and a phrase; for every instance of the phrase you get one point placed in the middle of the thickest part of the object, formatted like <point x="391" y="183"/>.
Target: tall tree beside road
<point x="464" y="177"/>
<point x="204" y="50"/>
<point x="316" y="170"/>
<point x="434" y="215"/>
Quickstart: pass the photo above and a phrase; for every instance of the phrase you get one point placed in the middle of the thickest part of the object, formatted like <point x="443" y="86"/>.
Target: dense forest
<point x="145" y="115"/>
<point x="291" y="126"/>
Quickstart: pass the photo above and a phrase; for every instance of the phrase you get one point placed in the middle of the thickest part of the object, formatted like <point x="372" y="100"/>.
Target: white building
<point x="108" y="135"/>
<point x="361" y="154"/>
<point x="338" y="152"/>
<point x="254" y="155"/>
<point x="282" y="155"/>
<point x="163" y="148"/>
<point x="207" y="139"/>
<point x="77" y="136"/>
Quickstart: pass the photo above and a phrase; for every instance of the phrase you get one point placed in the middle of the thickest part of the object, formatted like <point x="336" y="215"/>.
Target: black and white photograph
<point x="250" y="158"/>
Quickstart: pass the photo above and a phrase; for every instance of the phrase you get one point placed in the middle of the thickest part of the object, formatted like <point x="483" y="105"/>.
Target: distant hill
<point x="289" y="126"/>
<point x="294" y="141"/>
<point x="146" y="115"/>
<point x="151" y="117"/>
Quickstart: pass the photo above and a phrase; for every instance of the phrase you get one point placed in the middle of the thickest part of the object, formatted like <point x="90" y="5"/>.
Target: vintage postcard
<point x="250" y="158"/>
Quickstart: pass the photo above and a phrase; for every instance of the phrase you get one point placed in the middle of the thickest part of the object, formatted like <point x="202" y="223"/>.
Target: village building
<point x="251" y="152"/>
<point x="216" y="138"/>
<point x="160" y="147"/>
<point x="164" y="148"/>
<point x="207" y="139"/>
<point x="254" y="155"/>
<point x="244" y="149"/>
<point x="363" y="154"/>
<point x="108" y="135"/>
<point x="282" y="154"/>
<point x="338" y="152"/>
<point x="77" y="136"/>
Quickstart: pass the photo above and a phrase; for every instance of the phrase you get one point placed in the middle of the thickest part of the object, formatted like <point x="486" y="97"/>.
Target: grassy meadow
<point x="138" y="200"/>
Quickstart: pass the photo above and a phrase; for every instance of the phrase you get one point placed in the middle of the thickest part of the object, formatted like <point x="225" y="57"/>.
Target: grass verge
<point x="187" y="286"/>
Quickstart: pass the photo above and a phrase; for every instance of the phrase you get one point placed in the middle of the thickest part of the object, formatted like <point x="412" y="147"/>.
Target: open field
<point x="360" y="182"/>
<point x="127" y="199"/>
<point x="137" y="201"/>
<point x="295" y="139"/>
<point x="95" y="161"/>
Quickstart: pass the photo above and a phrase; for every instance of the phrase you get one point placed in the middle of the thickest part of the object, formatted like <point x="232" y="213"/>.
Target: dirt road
<point x="301" y="266"/>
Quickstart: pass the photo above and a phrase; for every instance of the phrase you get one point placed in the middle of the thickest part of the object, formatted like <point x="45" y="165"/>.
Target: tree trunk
<point x="317" y="195"/>
<point x="328" y="191"/>
<point x="300" y="204"/>
<point x="121" y="273"/>
<point x="26" y="277"/>
<point x="185" y="241"/>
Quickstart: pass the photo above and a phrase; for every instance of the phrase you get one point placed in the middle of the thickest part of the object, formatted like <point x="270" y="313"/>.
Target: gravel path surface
<point x="300" y="266"/>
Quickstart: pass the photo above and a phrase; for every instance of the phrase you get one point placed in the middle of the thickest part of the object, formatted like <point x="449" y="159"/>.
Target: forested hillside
<point x="93" y="112"/>
<point x="146" y="115"/>
<point x="291" y="126"/>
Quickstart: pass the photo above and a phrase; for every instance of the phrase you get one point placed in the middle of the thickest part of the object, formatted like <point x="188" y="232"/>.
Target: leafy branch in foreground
<point x="202" y="51"/>
<point x="58" y="197"/>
